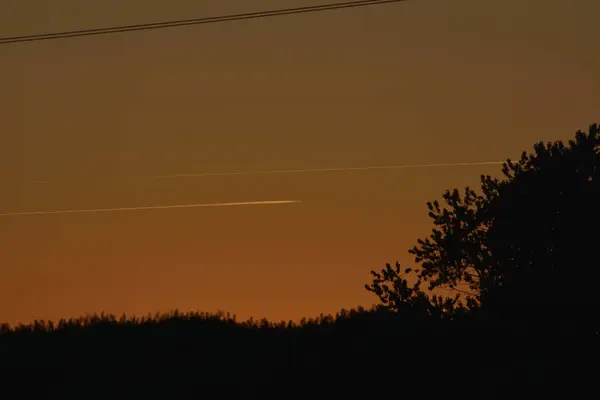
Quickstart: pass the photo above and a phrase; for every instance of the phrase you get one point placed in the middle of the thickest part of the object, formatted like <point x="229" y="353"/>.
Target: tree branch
<point x="458" y="290"/>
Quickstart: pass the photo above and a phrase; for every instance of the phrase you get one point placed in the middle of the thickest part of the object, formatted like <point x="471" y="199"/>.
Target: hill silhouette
<point x="524" y="322"/>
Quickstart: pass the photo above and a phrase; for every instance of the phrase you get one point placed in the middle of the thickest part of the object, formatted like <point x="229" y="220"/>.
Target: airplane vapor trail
<point x="97" y="210"/>
<point x="340" y="169"/>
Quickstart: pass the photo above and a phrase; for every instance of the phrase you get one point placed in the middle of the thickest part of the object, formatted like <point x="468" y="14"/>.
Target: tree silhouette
<point x="525" y="247"/>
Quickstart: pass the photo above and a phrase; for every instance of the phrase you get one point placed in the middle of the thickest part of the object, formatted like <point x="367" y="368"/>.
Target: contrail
<point x="288" y="171"/>
<point x="339" y="169"/>
<point x="97" y="210"/>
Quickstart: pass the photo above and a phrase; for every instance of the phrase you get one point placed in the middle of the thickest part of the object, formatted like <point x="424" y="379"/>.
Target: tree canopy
<point x="524" y="247"/>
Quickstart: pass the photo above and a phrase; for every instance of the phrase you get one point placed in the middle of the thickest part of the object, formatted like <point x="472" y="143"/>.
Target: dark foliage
<point x="368" y="352"/>
<point x="521" y="257"/>
<point x="522" y="249"/>
<point x="183" y="355"/>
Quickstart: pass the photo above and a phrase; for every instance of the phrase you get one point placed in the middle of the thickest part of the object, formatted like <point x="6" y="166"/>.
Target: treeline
<point x="221" y="318"/>
<point x="375" y="349"/>
<point x="184" y="354"/>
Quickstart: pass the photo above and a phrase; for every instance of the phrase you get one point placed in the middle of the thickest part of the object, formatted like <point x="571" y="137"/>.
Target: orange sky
<point x="427" y="81"/>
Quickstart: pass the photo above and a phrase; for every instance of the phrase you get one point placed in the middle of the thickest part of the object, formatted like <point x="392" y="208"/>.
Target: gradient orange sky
<point x="426" y="81"/>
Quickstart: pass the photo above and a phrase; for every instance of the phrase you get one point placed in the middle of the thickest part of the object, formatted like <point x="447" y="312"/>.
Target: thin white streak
<point x="97" y="210"/>
<point x="287" y="171"/>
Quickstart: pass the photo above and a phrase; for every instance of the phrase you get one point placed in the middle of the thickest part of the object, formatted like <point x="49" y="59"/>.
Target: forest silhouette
<point x="520" y="255"/>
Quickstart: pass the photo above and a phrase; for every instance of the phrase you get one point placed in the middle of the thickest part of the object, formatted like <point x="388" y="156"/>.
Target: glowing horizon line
<point x="141" y="208"/>
<point x="338" y="169"/>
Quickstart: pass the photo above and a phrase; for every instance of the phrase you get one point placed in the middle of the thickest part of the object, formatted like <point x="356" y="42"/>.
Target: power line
<point x="196" y="21"/>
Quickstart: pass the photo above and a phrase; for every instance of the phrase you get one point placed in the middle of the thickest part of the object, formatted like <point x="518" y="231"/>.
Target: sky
<point x="88" y="123"/>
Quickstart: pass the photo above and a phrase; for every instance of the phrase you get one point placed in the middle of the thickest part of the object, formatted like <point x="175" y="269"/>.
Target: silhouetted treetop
<point x="526" y="243"/>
